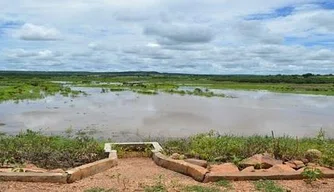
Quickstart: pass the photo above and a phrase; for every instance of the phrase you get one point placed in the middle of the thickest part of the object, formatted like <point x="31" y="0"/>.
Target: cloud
<point x="255" y="32"/>
<point x="304" y="22"/>
<point x="171" y="33"/>
<point x="97" y="46"/>
<point x="31" y="32"/>
<point x="149" y="52"/>
<point x="190" y="36"/>
<point x="22" y="55"/>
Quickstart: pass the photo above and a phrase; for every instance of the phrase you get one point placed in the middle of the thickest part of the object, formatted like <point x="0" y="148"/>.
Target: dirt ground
<point x="136" y="174"/>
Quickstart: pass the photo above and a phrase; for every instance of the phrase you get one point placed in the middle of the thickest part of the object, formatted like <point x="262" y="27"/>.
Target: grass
<point x="159" y="186"/>
<point x="267" y="186"/>
<point x="198" y="188"/>
<point x="146" y="92"/>
<point x="311" y="174"/>
<point x="99" y="189"/>
<point x="71" y="150"/>
<point x="155" y="188"/>
<point x="50" y="152"/>
<point x="231" y="148"/>
<point x="224" y="183"/>
<point x="33" y="89"/>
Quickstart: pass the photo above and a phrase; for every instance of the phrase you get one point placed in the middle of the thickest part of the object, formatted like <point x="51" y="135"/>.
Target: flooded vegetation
<point x="134" y="106"/>
<point x="35" y="85"/>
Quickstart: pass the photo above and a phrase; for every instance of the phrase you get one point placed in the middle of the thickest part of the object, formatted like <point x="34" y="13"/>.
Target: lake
<point x="127" y="116"/>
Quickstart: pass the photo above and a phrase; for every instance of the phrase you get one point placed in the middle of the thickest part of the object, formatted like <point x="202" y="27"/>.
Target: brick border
<point x="69" y="176"/>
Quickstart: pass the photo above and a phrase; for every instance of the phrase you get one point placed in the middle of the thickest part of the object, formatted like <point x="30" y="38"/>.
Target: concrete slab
<point x="156" y="146"/>
<point x="34" y="177"/>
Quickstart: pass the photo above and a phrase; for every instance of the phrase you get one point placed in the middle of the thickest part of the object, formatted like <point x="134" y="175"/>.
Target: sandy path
<point x="136" y="173"/>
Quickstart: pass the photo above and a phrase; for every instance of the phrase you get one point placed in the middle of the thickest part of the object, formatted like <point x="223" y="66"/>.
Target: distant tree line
<point x="307" y="78"/>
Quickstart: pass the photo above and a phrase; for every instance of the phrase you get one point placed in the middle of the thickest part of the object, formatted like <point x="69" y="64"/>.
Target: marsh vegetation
<point x="34" y="85"/>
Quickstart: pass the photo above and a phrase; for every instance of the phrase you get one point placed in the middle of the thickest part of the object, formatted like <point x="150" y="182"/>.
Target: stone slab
<point x="156" y="145"/>
<point x="180" y="166"/>
<point x="90" y="169"/>
<point x="34" y="177"/>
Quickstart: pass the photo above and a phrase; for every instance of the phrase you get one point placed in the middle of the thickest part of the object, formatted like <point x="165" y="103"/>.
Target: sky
<point x="179" y="36"/>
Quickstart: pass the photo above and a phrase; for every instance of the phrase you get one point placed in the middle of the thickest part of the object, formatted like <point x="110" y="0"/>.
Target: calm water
<point x="126" y="116"/>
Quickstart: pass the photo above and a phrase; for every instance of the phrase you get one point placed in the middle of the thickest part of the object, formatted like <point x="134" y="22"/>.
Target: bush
<point x="50" y="151"/>
<point x="210" y="146"/>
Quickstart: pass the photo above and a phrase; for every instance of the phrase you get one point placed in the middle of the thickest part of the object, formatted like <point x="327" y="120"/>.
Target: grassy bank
<point x="50" y="151"/>
<point x="70" y="150"/>
<point x="228" y="148"/>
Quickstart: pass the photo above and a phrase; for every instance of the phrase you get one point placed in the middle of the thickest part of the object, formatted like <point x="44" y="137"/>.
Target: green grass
<point x="50" y="151"/>
<point x="70" y="150"/>
<point x="231" y="148"/>
<point x="267" y="186"/>
<point x="33" y="89"/>
<point x="155" y="188"/>
<point x="198" y="188"/>
<point x="224" y="183"/>
<point x="159" y="186"/>
<point x="146" y="92"/>
<point x="311" y="174"/>
<point x="316" y="89"/>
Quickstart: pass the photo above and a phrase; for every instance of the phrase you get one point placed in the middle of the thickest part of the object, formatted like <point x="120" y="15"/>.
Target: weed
<point x="155" y="188"/>
<point x="146" y="92"/>
<point x="267" y="186"/>
<point x="50" y="152"/>
<point x="159" y="186"/>
<point x="99" y="189"/>
<point x="311" y="174"/>
<point x="224" y="183"/>
<point x="198" y="188"/>
<point x="209" y="146"/>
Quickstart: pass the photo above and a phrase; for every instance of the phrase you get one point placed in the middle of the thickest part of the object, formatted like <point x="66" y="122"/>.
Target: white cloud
<point x="31" y="32"/>
<point x="304" y="23"/>
<point x="213" y="36"/>
<point x="168" y="33"/>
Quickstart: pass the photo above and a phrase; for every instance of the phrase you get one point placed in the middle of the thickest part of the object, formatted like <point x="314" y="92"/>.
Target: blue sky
<point x="189" y="36"/>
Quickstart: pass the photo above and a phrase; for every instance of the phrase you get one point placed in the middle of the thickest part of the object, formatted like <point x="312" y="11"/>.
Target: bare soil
<point x="134" y="174"/>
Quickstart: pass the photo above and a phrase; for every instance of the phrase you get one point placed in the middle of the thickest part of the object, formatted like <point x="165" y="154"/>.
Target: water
<point x="126" y="116"/>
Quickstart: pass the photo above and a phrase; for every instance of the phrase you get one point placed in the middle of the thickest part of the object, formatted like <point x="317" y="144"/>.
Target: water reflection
<point x="127" y="116"/>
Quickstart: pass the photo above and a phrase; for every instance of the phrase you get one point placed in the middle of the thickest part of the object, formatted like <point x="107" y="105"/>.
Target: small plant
<point x="198" y="188"/>
<point x="159" y="186"/>
<point x="224" y="183"/>
<point x="267" y="186"/>
<point x="99" y="189"/>
<point x="236" y="160"/>
<point x="311" y="174"/>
